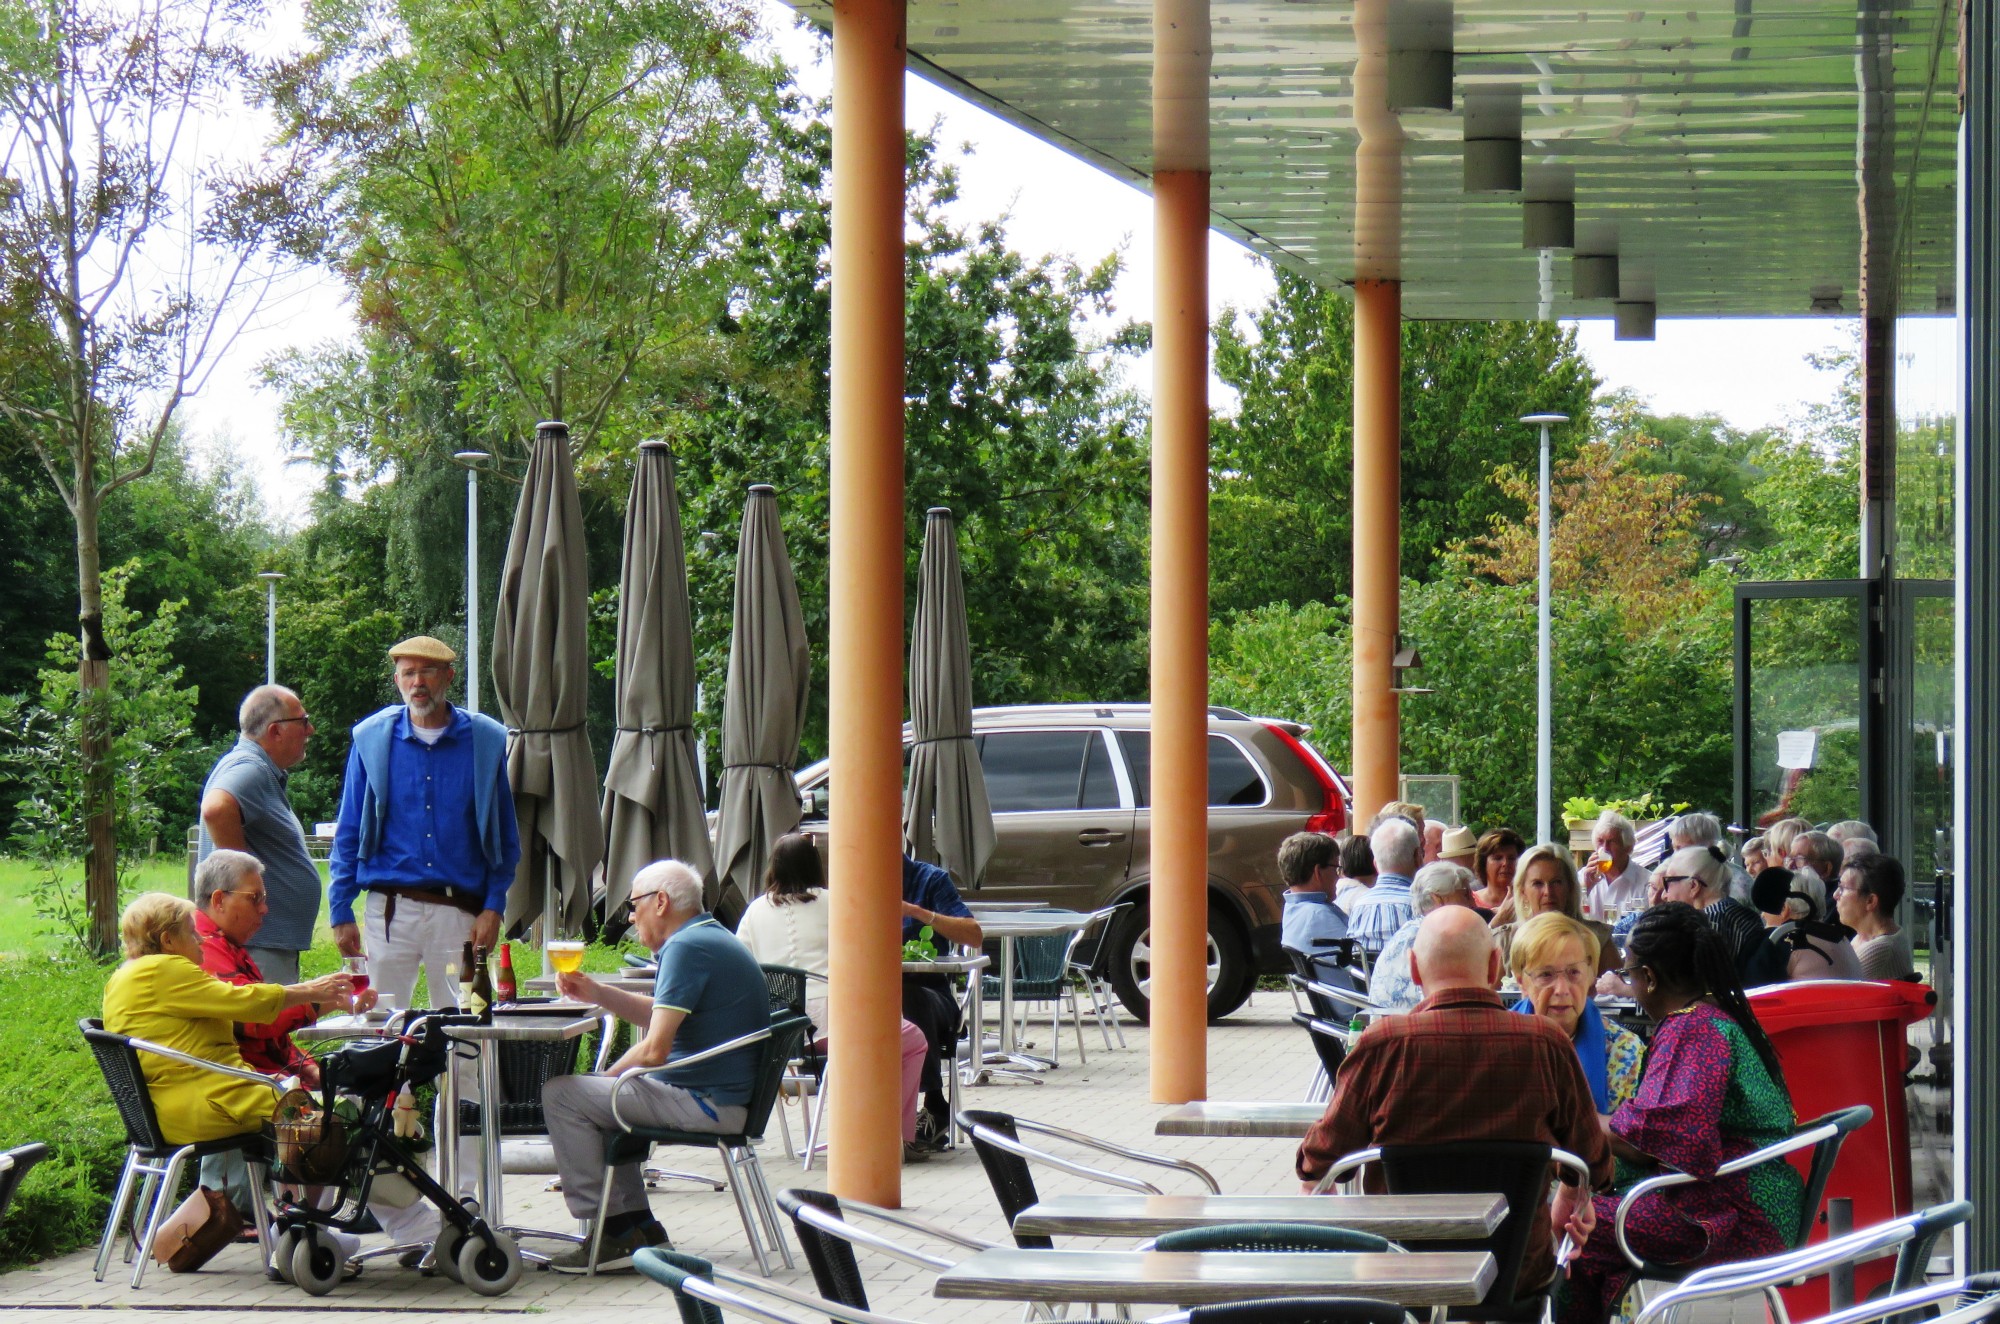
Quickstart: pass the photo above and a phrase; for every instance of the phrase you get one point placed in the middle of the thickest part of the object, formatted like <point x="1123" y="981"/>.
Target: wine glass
<point x="356" y="968"/>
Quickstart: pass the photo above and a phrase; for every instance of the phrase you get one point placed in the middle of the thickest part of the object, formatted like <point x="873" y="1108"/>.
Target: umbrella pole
<point x="548" y="910"/>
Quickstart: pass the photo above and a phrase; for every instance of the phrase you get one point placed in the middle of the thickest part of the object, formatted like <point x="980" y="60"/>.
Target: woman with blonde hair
<point x="1554" y="959"/>
<point x="1545" y="880"/>
<point x="162" y="995"/>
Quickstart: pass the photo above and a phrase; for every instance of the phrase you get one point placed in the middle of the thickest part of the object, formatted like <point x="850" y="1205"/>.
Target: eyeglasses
<point x="1669" y="879"/>
<point x="254" y="898"/>
<point x="632" y="902"/>
<point x="1568" y="974"/>
<point x="302" y="717"/>
<point x="1628" y="975"/>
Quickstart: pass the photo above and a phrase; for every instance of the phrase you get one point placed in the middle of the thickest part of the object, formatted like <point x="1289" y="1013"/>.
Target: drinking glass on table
<point x="356" y="968"/>
<point x="565" y="957"/>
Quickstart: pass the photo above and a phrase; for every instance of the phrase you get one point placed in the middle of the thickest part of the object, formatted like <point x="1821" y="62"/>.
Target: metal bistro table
<point x="968" y="964"/>
<point x="1417" y="1280"/>
<point x="1007" y="927"/>
<point x="1260" y="1121"/>
<point x="1397" y="1217"/>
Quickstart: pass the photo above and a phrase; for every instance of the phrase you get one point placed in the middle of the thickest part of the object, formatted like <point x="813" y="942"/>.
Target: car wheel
<point x="1131" y="964"/>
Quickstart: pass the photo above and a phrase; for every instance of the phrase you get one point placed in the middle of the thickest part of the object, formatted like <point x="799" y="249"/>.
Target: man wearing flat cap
<point x="426" y="841"/>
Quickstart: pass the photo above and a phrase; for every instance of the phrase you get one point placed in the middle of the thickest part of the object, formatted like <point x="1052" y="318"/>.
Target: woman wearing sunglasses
<point x="1712" y="1091"/>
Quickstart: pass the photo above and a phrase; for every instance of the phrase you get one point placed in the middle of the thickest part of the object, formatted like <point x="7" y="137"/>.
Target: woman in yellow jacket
<point x="161" y="994"/>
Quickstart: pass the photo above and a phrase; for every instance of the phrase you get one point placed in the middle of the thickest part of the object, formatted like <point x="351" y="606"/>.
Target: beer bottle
<point x="482" y="988"/>
<point x="504" y="983"/>
<point x="465" y="978"/>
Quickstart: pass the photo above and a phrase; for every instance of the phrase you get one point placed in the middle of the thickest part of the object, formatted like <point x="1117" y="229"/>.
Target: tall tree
<point x="536" y="197"/>
<point x="129" y="259"/>
<point x="1284" y="464"/>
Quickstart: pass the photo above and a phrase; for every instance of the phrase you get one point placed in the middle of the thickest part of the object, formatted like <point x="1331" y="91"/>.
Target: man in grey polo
<point x="244" y="807"/>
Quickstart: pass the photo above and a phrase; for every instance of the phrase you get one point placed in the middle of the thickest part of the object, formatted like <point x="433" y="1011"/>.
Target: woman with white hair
<point x="1437" y="884"/>
<point x="1699" y="876"/>
<point x="1794" y="905"/>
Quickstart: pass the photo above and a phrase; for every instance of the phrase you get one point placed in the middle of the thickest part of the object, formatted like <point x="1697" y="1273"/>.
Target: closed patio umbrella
<point x="946" y="817"/>
<point x="763" y="707"/>
<point x="541" y="667"/>
<point x="652" y="789"/>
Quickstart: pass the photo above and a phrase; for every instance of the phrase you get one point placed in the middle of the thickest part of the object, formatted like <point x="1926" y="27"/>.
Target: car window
<point x="1036" y="771"/>
<point x="1100" y="783"/>
<point x="1232" y="778"/>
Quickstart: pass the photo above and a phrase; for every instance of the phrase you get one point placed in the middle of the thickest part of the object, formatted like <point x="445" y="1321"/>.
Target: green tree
<point x="129" y="258"/>
<point x="1712" y="460"/>
<point x="1281" y="512"/>
<point x="534" y="198"/>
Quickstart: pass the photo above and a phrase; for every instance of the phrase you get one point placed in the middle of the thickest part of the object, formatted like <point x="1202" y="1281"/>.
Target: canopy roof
<point x="1743" y="157"/>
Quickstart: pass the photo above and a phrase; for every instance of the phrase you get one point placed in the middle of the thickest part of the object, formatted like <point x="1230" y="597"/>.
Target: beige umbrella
<point x="763" y="707"/>
<point x="652" y="790"/>
<point x="946" y="817"/>
<point x="541" y="668"/>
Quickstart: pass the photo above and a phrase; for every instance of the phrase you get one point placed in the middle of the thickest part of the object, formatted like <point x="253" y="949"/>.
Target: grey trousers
<point x="578" y="1109"/>
<point x="277" y="965"/>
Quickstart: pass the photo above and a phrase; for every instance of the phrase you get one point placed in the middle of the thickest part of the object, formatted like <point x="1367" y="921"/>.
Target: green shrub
<point x="54" y="1093"/>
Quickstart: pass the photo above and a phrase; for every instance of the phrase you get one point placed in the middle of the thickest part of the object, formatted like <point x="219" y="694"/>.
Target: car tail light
<point x="1332" y="816"/>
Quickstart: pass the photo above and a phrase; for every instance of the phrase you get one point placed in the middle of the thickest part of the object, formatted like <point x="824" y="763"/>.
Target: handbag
<point x="310" y="1144"/>
<point x="205" y="1222"/>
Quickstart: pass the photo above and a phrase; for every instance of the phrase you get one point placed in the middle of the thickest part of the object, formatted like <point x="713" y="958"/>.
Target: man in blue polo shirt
<point x="931" y="900"/>
<point x="426" y="830"/>
<point x="709" y="991"/>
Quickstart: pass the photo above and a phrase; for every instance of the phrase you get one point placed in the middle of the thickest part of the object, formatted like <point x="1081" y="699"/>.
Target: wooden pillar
<point x="865" y="636"/>
<point x="1179" y="868"/>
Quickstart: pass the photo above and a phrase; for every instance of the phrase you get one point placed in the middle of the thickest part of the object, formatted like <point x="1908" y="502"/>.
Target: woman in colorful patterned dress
<point x="1712" y="1091"/>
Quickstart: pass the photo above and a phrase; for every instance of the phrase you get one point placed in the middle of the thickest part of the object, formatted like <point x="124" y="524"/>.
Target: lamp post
<point x="1544" y="807"/>
<point x="471" y="459"/>
<point x="270" y="578"/>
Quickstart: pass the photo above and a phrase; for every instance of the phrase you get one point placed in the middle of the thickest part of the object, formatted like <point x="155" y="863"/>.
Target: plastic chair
<point x="1823" y="1136"/>
<point x="1292" y="1238"/>
<point x="828" y="1235"/>
<point x="996" y="1139"/>
<point x="1766" y="1275"/>
<point x="15" y="1164"/>
<point x="745" y="1174"/>
<point x="1518" y="1170"/>
<point x="1290" y="1310"/>
<point x="151" y="1175"/>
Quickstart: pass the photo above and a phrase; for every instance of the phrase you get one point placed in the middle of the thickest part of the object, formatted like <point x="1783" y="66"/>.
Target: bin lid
<point x="1824" y="1001"/>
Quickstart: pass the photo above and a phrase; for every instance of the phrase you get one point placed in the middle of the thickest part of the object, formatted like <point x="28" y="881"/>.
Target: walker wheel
<point x="489" y="1270"/>
<point x="315" y="1265"/>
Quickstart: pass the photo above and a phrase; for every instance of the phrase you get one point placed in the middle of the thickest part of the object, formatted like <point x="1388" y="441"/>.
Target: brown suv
<point x="1068" y="784"/>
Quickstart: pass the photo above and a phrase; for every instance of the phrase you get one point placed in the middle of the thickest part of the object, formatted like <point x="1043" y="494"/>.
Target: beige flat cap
<point x="1458" y="842"/>
<point x="424" y="647"/>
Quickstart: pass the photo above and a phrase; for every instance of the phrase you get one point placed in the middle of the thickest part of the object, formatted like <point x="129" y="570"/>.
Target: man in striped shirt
<point x="1386" y="907"/>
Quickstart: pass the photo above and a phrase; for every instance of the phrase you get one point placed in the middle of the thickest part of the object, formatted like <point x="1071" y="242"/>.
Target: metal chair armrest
<point x="922" y="1227"/>
<point x="1789" y="1267"/>
<point x="1646" y="1187"/>
<point x="1360" y="1001"/>
<point x="618" y="1086"/>
<point x="1803" y="1140"/>
<point x="188" y="1059"/>
<point x="1345" y="1164"/>
<point x="701" y="1289"/>
<point x="861" y="1236"/>
<point x="1110" y="1147"/>
<point x="1915" y="1299"/>
<point x="1075" y="1169"/>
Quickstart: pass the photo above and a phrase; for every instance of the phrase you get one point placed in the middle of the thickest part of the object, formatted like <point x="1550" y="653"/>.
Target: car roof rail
<point x="1227" y="714"/>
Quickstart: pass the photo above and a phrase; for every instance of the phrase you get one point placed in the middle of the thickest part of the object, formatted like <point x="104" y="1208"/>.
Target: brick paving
<point x="1256" y="1054"/>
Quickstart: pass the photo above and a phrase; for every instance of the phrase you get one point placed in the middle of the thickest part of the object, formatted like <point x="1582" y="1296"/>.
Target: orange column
<point x="1180" y="637"/>
<point x="1378" y="487"/>
<point x="865" y="636"/>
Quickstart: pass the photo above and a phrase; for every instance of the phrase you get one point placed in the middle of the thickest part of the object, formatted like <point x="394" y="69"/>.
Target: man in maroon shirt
<point x="1461" y="1067"/>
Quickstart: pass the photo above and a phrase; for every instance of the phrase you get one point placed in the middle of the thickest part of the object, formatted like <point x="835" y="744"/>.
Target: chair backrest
<point x="1093" y="953"/>
<point x="119" y="1062"/>
<point x="1845" y="1121"/>
<point x="19" y="1160"/>
<point x="1013" y="1183"/>
<point x="1039" y="963"/>
<point x="1913" y="1259"/>
<point x="835" y="1271"/>
<point x="1519" y="1170"/>
<point x="1299" y="1310"/>
<point x="1306" y="971"/>
<point x="671" y="1268"/>
<point x="788" y="989"/>
<point x="1326" y="1041"/>
<point x="788" y="1035"/>
<point x="1297" y="1237"/>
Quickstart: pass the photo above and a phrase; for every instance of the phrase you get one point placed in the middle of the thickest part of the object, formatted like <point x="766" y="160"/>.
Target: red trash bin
<point x="1843" y="1042"/>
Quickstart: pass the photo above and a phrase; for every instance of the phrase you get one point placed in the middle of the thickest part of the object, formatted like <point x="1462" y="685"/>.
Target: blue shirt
<point x="711" y="978"/>
<point x="431" y="835"/>
<point x="928" y="887"/>
<point x="272" y="833"/>
<point x="1310" y="916"/>
<point x="1380" y="911"/>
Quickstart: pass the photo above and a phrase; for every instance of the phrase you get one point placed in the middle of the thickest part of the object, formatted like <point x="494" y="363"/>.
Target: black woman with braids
<point x="1712" y="1092"/>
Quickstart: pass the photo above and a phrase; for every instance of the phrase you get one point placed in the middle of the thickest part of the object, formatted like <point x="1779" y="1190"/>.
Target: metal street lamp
<point x="1544" y="805"/>
<point x="471" y="459"/>
<point x="270" y="578"/>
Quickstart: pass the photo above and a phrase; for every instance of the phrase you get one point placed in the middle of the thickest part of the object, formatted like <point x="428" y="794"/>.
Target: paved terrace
<point x="1256" y="1054"/>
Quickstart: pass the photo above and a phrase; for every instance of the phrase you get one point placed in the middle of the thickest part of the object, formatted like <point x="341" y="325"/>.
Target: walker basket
<point x="310" y="1144"/>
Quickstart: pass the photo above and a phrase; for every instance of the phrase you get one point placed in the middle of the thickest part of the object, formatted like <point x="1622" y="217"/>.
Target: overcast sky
<point x="1752" y="373"/>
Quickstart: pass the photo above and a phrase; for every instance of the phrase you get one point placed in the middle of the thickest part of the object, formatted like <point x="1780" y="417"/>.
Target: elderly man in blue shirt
<point x="426" y="837"/>
<point x="1385" y="907"/>
<point x="1309" y="862"/>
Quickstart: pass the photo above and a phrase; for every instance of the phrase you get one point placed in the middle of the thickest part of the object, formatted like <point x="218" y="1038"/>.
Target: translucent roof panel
<point x="1743" y="157"/>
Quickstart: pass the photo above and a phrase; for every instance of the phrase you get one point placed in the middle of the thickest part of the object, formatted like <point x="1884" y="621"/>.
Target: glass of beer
<point x="566" y="957"/>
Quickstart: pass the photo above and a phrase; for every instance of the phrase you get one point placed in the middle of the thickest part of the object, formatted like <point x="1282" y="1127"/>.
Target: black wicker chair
<point x="996" y="1139"/>
<point x="14" y="1165"/>
<point x="150" y="1179"/>
<point x="827" y="1232"/>
<point x="1283" y="1238"/>
<point x="1291" y="1310"/>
